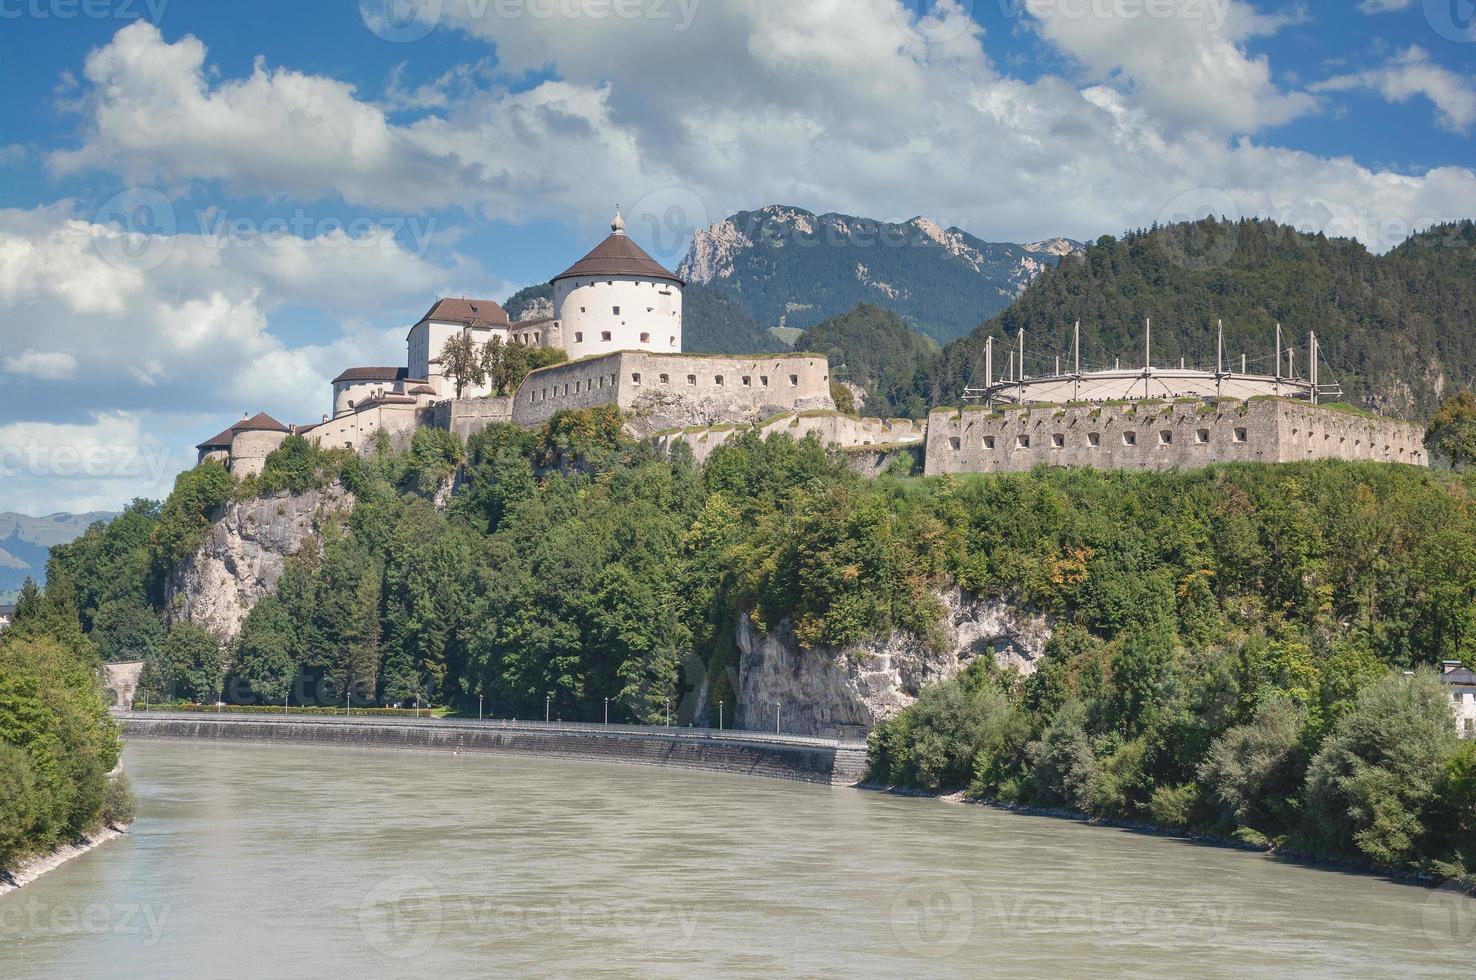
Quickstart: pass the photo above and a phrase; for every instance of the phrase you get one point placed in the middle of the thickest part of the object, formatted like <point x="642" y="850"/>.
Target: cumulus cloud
<point x="1385" y="6"/>
<point x="1413" y="74"/>
<point x="852" y="105"/>
<point x="1185" y="62"/>
<point x="93" y="465"/>
<point x="44" y="365"/>
<point x="193" y="325"/>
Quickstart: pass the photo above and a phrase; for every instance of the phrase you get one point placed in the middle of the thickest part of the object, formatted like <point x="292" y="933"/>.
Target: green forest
<point x="1394" y="329"/>
<point x="1230" y="644"/>
<point x="57" y="743"/>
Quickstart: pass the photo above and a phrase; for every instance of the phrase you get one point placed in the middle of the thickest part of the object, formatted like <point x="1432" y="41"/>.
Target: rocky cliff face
<point x="244" y="554"/>
<point x="846" y="692"/>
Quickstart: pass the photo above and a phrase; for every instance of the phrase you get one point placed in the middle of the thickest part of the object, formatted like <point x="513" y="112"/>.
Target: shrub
<point x="119" y="807"/>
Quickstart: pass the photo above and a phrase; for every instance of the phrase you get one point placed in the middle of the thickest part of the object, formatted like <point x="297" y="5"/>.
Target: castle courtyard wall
<point x="665" y="389"/>
<point x="1149" y="436"/>
<point x="831" y="427"/>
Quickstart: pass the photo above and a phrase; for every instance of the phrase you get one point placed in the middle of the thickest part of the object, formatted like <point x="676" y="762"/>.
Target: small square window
<point x="666" y="379"/>
<point x="645" y="338"/>
<point x="605" y="336"/>
<point x="615" y="310"/>
<point x="691" y="379"/>
<point x="1240" y="435"/>
<point x="1058" y="441"/>
<point x="989" y="442"/>
<point x="718" y="380"/>
<point x="635" y="378"/>
<point x="794" y="381"/>
<point x="1129" y="438"/>
<point x="1202" y="436"/>
<point x="747" y="381"/>
<point x="1094" y="439"/>
<point x="954" y="443"/>
<point x="583" y="310"/>
<point x="1166" y="437"/>
<point x="1022" y="442"/>
<point x="578" y="337"/>
<point x="763" y="381"/>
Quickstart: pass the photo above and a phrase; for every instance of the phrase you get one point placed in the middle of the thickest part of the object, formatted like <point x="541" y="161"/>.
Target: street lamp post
<point x="720" y="715"/>
<point x="547" y="700"/>
<point x="776" y="717"/>
<point x="479" y="706"/>
<point x="668" y="712"/>
<point x="607" y="711"/>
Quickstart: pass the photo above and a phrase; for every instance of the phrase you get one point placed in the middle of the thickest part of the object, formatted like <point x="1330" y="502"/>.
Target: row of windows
<point x="572" y="388"/>
<point x="605" y="337"/>
<point x="719" y="381"/>
<point x="1094" y="439"/>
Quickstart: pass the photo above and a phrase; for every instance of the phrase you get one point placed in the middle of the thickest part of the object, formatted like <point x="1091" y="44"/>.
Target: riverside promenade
<point x="795" y="757"/>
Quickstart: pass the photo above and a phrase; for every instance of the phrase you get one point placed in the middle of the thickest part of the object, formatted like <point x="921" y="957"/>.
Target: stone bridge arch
<point x="122" y="682"/>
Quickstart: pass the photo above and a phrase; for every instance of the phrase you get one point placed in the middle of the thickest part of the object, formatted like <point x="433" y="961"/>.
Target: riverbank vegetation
<point x="1229" y="645"/>
<point x="57" y="743"/>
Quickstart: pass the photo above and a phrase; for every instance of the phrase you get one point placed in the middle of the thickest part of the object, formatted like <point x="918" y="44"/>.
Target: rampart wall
<point x="1155" y="436"/>
<point x="831" y="427"/>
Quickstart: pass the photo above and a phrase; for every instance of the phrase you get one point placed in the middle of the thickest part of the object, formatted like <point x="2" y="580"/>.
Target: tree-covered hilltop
<point x="57" y="743"/>
<point x="1225" y="640"/>
<point x="877" y="351"/>
<point x="1395" y="329"/>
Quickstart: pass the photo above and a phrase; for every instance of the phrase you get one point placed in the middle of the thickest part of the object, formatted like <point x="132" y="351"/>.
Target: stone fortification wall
<point x="359" y="429"/>
<point x="831" y="427"/>
<point x="805" y="760"/>
<point x="250" y="449"/>
<point x="664" y="390"/>
<point x="467" y="416"/>
<point x="1155" y="436"/>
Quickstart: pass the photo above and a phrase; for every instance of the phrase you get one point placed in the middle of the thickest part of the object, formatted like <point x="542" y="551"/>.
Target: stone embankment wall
<point x="805" y="760"/>
<point x="468" y="416"/>
<point x="845" y="692"/>
<point x="244" y="554"/>
<point x="879" y="436"/>
<point x="1154" y="436"/>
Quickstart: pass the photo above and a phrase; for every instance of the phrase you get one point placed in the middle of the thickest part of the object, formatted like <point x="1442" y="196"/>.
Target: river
<point x="272" y="860"/>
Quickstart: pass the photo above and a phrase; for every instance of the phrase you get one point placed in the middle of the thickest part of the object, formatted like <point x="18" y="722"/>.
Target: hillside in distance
<point x="25" y="543"/>
<point x="787" y="266"/>
<point x="1394" y="329"/>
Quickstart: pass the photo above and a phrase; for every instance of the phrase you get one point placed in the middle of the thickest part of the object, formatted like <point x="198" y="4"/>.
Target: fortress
<point x="617" y="314"/>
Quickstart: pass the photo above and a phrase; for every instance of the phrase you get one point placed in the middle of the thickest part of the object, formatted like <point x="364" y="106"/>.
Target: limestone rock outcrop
<point x="244" y="554"/>
<point x="845" y="692"/>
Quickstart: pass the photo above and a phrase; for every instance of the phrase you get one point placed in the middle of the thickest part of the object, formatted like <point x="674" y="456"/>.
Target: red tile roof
<point x="471" y="312"/>
<point x="618" y="256"/>
<point x="373" y="374"/>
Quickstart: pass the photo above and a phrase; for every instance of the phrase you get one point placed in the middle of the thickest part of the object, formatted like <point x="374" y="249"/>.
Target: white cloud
<point x="844" y="105"/>
<point x="196" y="330"/>
<point x="1385" y="6"/>
<point x="43" y="365"/>
<point x="97" y="465"/>
<point x="1412" y="74"/>
<point x="1187" y="64"/>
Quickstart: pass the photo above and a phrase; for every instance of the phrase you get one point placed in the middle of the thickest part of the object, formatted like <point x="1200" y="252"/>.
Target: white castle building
<point x="617" y="314"/>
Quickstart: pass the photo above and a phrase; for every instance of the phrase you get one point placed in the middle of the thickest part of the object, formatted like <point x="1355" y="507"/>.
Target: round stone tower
<point x="618" y="298"/>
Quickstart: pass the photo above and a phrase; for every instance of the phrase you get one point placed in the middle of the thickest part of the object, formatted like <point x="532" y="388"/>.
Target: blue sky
<point x="208" y="209"/>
